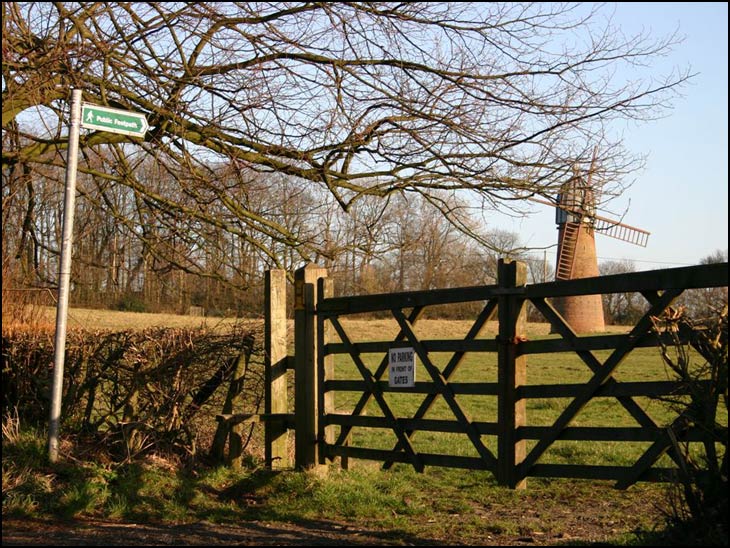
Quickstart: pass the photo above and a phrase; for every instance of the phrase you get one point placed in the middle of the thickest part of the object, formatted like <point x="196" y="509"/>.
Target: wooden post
<point x="306" y="406"/>
<point x="511" y="413"/>
<point x="326" y="367"/>
<point x="226" y="431"/>
<point x="275" y="400"/>
<point x="235" y="446"/>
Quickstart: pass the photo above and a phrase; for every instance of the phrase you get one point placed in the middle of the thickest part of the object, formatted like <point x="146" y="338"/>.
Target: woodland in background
<point x="372" y="139"/>
<point x="117" y="265"/>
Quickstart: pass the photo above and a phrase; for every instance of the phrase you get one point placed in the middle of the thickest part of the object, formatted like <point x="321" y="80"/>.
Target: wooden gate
<point x="507" y="445"/>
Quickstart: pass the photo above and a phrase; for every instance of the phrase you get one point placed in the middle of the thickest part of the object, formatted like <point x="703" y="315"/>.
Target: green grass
<point x="643" y="364"/>
<point x="439" y="504"/>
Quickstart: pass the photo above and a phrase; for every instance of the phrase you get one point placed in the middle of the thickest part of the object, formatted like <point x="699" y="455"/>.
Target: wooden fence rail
<point x="321" y="433"/>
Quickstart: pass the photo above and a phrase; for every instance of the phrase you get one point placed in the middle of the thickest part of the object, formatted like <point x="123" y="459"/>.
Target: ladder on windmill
<point x="566" y="260"/>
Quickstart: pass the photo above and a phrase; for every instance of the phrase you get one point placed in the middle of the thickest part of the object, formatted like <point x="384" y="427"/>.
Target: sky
<point x="681" y="196"/>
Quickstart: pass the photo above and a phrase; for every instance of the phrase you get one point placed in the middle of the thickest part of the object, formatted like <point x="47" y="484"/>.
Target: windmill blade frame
<point x="603" y="225"/>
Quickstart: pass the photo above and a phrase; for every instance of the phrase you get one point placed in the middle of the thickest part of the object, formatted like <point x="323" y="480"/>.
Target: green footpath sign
<point x="113" y="120"/>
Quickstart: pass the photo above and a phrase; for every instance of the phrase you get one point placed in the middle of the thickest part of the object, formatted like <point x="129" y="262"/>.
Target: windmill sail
<point x="603" y="225"/>
<point x="620" y="231"/>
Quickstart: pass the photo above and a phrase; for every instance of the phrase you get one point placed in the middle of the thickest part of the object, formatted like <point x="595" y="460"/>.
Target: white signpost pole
<point x="99" y="118"/>
<point x="64" y="274"/>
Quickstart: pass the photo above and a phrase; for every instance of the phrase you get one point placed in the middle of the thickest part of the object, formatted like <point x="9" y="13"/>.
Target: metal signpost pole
<point x="64" y="275"/>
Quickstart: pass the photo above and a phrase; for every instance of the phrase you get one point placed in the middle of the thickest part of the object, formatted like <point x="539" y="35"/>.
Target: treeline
<point x="130" y="254"/>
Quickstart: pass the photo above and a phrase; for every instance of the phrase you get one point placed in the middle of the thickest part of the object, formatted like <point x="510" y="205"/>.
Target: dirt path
<point x="576" y="529"/>
<point x="253" y="533"/>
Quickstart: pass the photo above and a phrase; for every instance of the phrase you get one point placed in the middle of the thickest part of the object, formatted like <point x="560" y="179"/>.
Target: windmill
<point x="578" y="223"/>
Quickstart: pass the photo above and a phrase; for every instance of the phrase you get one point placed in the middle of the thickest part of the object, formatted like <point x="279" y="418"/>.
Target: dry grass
<point x="25" y="309"/>
<point x="429" y="329"/>
<point x="113" y="320"/>
<point x="365" y="328"/>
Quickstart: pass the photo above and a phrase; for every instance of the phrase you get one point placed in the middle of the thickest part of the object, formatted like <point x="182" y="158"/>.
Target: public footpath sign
<point x="113" y="120"/>
<point x="102" y="119"/>
<point x="402" y="370"/>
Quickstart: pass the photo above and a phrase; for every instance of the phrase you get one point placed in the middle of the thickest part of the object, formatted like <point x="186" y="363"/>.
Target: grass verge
<point x="454" y="506"/>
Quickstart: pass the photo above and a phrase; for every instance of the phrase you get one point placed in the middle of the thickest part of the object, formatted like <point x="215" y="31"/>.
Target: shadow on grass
<point x="143" y="504"/>
<point x="36" y="532"/>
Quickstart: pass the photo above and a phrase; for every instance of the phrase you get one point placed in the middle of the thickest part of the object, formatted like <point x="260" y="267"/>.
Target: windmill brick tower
<point x="576" y="256"/>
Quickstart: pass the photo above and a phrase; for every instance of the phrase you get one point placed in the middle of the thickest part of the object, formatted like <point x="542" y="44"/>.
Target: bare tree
<point x="695" y="353"/>
<point x="707" y="302"/>
<point x="496" y="100"/>
<point x="622" y="308"/>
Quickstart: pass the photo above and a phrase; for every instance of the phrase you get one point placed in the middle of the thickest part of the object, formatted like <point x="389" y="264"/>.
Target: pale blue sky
<point x="682" y="195"/>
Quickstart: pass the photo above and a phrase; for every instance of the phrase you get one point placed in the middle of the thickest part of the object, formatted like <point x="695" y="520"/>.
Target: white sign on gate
<point x="402" y="371"/>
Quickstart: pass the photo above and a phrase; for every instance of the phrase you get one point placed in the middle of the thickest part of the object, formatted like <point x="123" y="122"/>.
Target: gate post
<point x="276" y="446"/>
<point x="305" y="365"/>
<point x="325" y="369"/>
<point x="511" y="412"/>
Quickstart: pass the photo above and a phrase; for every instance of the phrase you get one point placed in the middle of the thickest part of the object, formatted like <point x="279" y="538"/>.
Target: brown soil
<point x="581" y="521"/>
<point x="252" y="533"/>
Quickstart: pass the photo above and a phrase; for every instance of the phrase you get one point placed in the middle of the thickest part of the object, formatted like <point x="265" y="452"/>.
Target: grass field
<point x="447" y="504"/>
<point x="86" y="318"/>
<point x="644" y="364"/>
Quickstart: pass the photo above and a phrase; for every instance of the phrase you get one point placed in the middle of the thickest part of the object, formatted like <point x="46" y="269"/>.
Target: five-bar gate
<point x="442" y="400"/>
